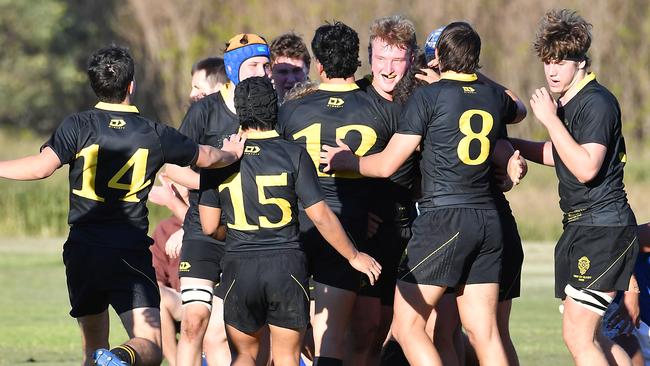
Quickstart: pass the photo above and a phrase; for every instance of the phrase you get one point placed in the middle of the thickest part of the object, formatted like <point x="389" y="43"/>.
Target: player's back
<point x="459" y="119"/>
<point x="259" y="195"/>
<point x="338" y="111"/>
<point x="114" y="154"/>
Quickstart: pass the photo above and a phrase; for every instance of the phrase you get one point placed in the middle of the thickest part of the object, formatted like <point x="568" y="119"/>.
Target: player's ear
<point x="582" y="64"/>
<point x="131" y="89"/>
<point x="319" y="67"/>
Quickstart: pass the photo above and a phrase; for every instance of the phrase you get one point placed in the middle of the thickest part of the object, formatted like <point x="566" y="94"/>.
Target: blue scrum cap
<point x="239" y="49"/>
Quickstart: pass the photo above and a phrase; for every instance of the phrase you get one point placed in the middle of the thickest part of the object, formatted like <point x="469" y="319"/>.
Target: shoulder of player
<point x="596" y="97"/>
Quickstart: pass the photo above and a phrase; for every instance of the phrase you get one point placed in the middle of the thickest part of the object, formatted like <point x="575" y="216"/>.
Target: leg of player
<point x="503" y="322"/>
<point x="215" y="343"/>
<point x="144" y="346"/>
<point x="413" y="305"/>
<point x="171" y="311"/>
<point x="330" y="321"/>
<point x="579" y="327"/>
<point x="364" y="327"/>
<point x="445" y="329"/>
<point x="197" y="297"/>
<point x="245" y="346"/>
<point x="94" y="334"/>
<point x="477" y="306"/>
<point x="614" y="353"/>
<point x="286" y="345"/>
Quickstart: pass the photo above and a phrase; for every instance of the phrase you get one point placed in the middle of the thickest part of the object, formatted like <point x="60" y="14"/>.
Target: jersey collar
<point x="581" y="84"/>
<point x="338" y="87"/>
<point x="227" y="89"/>
<point x="258" y="135"/>
<point x="117" y="107"/>
<point x="452" y="75"/>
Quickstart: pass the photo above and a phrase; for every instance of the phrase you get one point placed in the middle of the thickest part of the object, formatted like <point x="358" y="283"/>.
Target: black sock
<point x="392" y="355"/>
<point x="327" y="361"/>
<point x="126" y="353"/>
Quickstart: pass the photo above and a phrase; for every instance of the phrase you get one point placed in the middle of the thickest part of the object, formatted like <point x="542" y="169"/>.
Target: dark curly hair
<point x="407" y="85"/>
<point x="336" y="47"/>
<point x="563" y="35"/>
<point x="111" y="70"/>
<point x="290" y="45"/>
<point x="256" y="104"/>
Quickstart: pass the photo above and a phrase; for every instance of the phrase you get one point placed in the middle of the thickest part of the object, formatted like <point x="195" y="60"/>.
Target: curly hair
<point x="459" y="48"/>
<point x="290" y="45"/>
<point x="300" y="90"/>
<point x="407" y="85"/>
<point x="336" y="47"/>
<point x="111" y="70"/>
<point x="256" y="103"/>
<point x="395" y="30"/>
<point x="563" y="35"/>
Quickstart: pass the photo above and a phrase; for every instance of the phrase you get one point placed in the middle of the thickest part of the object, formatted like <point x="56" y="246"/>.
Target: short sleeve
<point x="508" y="109"/>
<point x="64" y="140"/>
<point x="415" y="115"/>
<point x="307" y="185"/>
<point x="597" y="120"/>
<point x="177" y="148"/>
<point x="210" y="198"/>
<point x="193" y="124"/>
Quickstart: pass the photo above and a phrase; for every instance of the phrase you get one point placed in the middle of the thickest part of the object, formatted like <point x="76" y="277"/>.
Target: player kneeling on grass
<point x="265" y="269"/>
<point x="106" y="255"/>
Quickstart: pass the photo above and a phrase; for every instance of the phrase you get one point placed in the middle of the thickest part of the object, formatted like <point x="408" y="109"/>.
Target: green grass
<point x="35" y="327"/>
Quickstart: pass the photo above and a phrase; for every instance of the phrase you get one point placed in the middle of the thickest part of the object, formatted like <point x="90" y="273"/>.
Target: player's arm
<point x="167" y="195"/>
<point x="521" y="107"/>
<point x="31" y="167"/>
<point x="380" y="165"/>
<point x="540" y="152"/>
<point x="183" y="175"/>
<point x="231" y="151"/>
<point x="330" y="228"/>
<point x="510" y="167"/>
<point x="583" y="161"/>
<point x="210" y="222"/>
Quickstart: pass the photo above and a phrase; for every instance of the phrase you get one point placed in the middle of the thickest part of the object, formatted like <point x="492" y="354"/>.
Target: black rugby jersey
<point x="259" y="195"/>
<point x="338" y="111"/>
<point x="594" y="116"/>
<point x="396" y="192"/>
<point x="207" y="122"/>
<point x="459" y="119"/>
<point x="114" y="155"/>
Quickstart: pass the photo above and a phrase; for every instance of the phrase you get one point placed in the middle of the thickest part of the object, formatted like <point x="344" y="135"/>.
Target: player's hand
<point x="163" y="194"/>
<point x="631" y="305"/>
<point x="364" y="263"/>
<point x="235" y="144"/>
<point x="428" y="75"/>
<point x="373" y="224"/>
<point x="543" y="105"/>
<point x="517" y="167"/>
<point x="338" y="158"/>
<point x="174" y="244"/>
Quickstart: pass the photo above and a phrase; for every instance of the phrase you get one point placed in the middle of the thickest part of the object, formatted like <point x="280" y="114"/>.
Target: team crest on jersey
<point x="469" y="90"/>
<point x="252" y="150"/>
<point x="335" y="102"/>
<point x="184" y="266"/>
<point x="583" y="265"/>
<point x="117" y="123"/>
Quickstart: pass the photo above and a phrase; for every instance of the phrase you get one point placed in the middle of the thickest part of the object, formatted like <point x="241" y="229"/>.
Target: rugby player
<point x="207" y="121"/>
<point x="114" y="154"/>
<point x="447" y="248"/>
<point x="265" y="268"/>
<point x="391" y="49"/>
<point x="595" y="255"/>
<point x="339" y="109"/>
<point x="208" y="76"/>
<point x="290" y="62"/>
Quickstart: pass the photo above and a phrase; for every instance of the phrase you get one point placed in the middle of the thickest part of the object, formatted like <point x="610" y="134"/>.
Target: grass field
<point x="35" y="328"/>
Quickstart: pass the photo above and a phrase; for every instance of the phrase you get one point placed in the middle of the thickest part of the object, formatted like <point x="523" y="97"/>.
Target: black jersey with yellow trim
<point x="459" y="119"/>
<point x="208" y="122"/>
<point x="593" y="115"/>
<point x="114" y="155"/>
<point x="338" y="111"/>
<point x="259" y="195"/>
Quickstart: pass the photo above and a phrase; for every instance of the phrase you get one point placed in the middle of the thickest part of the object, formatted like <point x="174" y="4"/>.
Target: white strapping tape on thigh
<point x="596" y="301"/>
<point x="198" y="293"/>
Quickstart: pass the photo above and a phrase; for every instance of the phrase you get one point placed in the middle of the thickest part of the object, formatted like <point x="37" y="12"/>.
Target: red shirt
<point x="166" y="268"/>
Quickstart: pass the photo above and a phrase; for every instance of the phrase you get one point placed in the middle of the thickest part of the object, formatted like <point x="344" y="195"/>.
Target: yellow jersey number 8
<point x="466" y="129"/>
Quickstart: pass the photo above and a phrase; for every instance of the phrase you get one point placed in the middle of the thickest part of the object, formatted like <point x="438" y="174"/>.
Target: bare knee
<point x="195" y="322"/>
